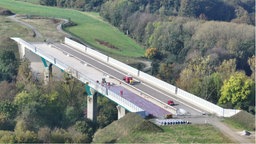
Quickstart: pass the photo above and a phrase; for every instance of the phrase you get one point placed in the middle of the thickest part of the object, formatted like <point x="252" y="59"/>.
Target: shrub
<point x="60" y="136"/>
<point x="5" y="123"/>
<point x="78" y="137"/>
<point x="26" y="137"/>
<point x="7" y="137"/>
<point x="44" y="134"/>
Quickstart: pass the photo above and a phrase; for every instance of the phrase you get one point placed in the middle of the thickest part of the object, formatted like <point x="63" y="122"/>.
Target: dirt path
<point x="36" y="34"/>
<point x="147" y="64"/>
<point x="59" y="27"/>
<point x="229" y="132"/>
<point x="235" y="136"/>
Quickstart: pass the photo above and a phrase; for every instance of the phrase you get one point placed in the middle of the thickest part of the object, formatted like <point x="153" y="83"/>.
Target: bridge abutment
<point x="21" y="50"/>
<point x="120" y="111"/>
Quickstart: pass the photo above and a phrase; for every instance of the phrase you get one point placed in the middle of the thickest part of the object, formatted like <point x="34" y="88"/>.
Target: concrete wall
<point x="119" y="65"/>
<point x="75" y="45"/>
<point x="190" y="98"/>
<point x="157" y="82"/>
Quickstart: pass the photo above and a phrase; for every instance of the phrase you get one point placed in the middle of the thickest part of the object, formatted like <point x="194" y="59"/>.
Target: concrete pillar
<point x="21" y="50"/>
<point x="47" y="74"/>
<point x="91" y="103"/>
<point x="120" y="111"/>
<point x="92" y="107"/>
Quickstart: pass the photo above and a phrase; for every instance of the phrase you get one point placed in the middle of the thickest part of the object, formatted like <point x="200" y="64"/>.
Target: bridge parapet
<point x="83" y="78"/>
<point x="186" y="96"/>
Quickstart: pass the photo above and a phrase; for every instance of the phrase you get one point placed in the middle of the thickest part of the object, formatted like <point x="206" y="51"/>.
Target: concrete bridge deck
<point x="55" y="51"/>
<point x="75" y="59"/>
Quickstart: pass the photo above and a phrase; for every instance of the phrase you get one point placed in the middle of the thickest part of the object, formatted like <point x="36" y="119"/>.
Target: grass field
<point x="48" y="32"/>
<point x="8" y="29"/>
<point x="133" y="129"/>
<point x="179" y="134"/>
<point x="90" y="28"/>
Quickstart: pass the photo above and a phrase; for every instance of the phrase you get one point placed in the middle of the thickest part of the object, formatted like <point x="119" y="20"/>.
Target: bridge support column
<point x="91" y="103"/>
<point x="47" y="71"/>
<point x="46" y="76"/>
<point x="21" y="50"/>
<point x="120" y="111"/>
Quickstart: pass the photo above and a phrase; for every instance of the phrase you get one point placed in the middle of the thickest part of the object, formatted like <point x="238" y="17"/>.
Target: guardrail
<point x="190" y="98"/>
<point x="83" y="78"/>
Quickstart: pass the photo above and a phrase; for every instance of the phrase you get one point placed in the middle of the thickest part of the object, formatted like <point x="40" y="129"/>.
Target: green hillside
<point x="90" y="28"/>
<point x="242" y="121"/>
<point x="133" y="129"/>
<point x="130" y="123"/>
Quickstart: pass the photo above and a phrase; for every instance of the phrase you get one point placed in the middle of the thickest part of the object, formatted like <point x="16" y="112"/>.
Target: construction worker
<point x="131" y="81"/>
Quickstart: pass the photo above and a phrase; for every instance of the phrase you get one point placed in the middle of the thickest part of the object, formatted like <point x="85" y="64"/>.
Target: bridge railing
<point x="190" y="98"/>
<point x="108" y="93"/>
<point x="82" y="77"/>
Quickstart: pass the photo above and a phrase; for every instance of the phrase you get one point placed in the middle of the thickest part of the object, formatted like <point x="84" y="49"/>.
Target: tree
<point x="251" y="62"/>
<point x="187" y="8"/>
<point x="166" y="72"/>
<point x="86" y="127"/>
<point x="8" y="90"/>
<point x="193" y="74"/>
<point x="107" y="111"/>
<point x="211" y="86"/>
<point x="227" y="68"/>
<point x="44" y="134"/>
<point x="151" y="53"/>
<point x="24" y="77"/>
<point x="8" y="66"/>
<point x="238" y="90"/>
<point x="8" y="109"/>
<point x="23" y="135"/>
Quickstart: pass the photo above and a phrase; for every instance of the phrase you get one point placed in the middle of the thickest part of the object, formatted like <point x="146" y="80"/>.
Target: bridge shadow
<point x="135" y="83"/>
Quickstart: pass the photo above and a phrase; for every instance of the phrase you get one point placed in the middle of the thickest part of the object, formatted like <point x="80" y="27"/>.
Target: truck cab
<point x="128" y="79"/>
<point x="170" y="102"/>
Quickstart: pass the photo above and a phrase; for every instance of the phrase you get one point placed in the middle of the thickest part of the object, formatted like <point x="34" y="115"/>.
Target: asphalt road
<point x="143" y="87"/>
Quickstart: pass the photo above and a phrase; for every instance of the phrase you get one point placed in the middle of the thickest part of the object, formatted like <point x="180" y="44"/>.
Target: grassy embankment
<point x="242" y="121"/>
<point x="9" y="29"/>
<point x="90" y="28"/>
<point x="133" y="129"/>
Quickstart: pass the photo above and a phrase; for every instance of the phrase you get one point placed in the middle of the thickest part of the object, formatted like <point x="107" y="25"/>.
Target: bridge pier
<point x="91" y="103"/>
<point x="92" y="107"/>
<point x="21" y="50"/>
<point x="120" y="111"/>
<point x="47" y="71"/>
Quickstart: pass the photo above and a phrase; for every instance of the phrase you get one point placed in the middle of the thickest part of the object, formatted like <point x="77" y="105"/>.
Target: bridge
<point x="148" y="96"/>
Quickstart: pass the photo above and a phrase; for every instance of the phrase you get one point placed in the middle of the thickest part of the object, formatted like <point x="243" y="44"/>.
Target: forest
<point x="206" y="47"/>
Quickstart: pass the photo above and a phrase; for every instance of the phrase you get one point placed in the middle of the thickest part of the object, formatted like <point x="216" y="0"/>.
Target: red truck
<point x="170" y="102"/>
<point x="128" y="79"/>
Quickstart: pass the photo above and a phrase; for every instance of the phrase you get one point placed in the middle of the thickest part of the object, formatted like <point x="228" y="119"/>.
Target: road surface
<point x="143" y="87"/>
